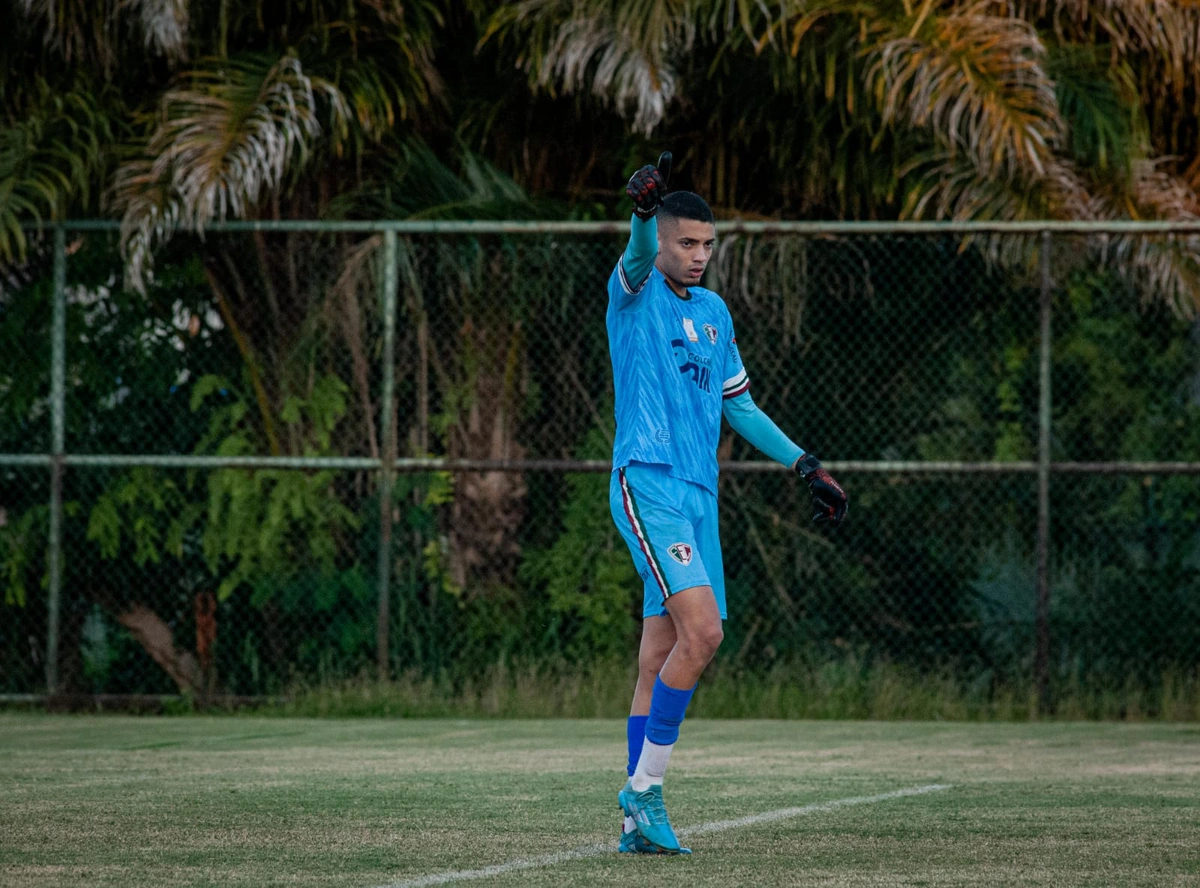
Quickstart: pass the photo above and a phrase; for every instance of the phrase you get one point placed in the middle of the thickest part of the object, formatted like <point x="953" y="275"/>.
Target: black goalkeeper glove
<point x="829" y="500"/>
<point x="646" y="188"/>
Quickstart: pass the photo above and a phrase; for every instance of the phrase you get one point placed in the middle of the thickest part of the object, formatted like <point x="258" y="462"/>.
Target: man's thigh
<point x="650" y="510"/>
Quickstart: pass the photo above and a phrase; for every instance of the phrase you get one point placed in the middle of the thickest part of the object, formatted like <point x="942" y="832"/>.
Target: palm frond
<point x="379" y="89"/>
<point x="421" y="184"/>
<point x="1156" y="27"/>
<point x="977" y="81"/>
<point x="946" y="185"/>
<point x="788" y="25"/>
<point x="1158" y="39"/>
<point x="51" y="158"/>
<point x="92" y="30"/>
<point x="753" y="18"/>
<point x="77" y="29"/>
<point x="380" y="55"/>
<point x="1099" y="103"/>
<point x="621" y="53"/>
<point x="164" y="25"/>
<point x="225" y="139"/>
<point x="1166" y="267"/>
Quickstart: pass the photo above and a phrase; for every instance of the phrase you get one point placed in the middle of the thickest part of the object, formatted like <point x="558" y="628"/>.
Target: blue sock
<point x="667" y="706"/>
<point x="635" y="733"/>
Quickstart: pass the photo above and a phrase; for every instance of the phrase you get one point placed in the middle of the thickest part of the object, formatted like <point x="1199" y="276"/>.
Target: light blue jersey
<point x="674" y="361"/>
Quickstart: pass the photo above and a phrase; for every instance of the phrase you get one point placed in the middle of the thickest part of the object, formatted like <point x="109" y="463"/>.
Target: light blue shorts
<point x="670" y="527"/>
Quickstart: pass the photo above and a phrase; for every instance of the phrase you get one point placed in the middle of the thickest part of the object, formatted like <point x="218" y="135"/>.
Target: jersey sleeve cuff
<point x="625" y="285"/>
<point x="736" y="385"/>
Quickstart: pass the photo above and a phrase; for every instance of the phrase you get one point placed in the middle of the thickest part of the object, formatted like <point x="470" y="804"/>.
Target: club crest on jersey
<point x="711" y="332"/>
<point x="690" y="329"/>
<point x="681" y="552"/>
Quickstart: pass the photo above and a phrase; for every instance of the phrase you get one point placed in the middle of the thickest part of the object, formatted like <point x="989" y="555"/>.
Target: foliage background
<point x="170" y="116"/>
<point x="264" y="581"/>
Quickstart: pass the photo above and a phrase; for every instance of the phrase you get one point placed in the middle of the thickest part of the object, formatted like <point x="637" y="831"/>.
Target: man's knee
<point x="697" y="622"/>
<point x="711" y="636"/>
<point x="704" y="639"/>
<point x="658" y="639"/>
<point x="650" y="663"/>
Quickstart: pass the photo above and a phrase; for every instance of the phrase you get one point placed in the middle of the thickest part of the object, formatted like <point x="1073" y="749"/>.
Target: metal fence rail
<point x="312" y="449"/>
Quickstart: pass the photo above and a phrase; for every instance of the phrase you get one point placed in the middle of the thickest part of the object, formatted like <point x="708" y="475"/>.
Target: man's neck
<point x="677" y="287"/>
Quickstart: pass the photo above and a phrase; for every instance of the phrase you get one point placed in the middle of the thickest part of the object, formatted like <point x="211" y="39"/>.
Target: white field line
<point x="543" y="860"/>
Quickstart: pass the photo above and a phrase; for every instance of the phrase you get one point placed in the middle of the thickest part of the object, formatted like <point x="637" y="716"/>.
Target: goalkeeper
<point x="676" y="372"/>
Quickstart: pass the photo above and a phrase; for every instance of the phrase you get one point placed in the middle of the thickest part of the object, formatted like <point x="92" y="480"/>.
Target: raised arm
<point x="640" y="253"/>
<point x="645" y="188"/>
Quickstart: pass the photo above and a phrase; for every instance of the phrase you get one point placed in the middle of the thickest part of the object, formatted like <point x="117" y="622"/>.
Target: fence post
<point x="387" y="451"/>
<point x="58" y="386"/>
<point x="1041" y="664"/>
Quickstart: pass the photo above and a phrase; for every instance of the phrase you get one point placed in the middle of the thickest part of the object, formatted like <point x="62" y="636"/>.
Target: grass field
<point x="156" y="801"/>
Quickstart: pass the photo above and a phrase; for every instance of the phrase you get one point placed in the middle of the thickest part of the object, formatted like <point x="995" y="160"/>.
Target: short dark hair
<point x="686" y="205"/>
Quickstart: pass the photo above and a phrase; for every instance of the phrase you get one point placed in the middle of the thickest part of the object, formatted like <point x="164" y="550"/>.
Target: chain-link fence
<point x="310" y="452"/>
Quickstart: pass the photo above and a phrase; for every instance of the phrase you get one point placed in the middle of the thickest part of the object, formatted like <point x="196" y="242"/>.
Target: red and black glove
<point x="647" y="188"/>
<point x="829" y="500"/>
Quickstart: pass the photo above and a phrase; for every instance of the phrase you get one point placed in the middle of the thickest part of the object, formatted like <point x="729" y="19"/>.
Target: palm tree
<point x="240" y="111"/>
<point x="959" y="109"/>
<point x="173" y="114"/>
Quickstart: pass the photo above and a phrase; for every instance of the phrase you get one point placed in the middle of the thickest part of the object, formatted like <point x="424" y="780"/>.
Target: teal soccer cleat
<point x="632" y="843"/>
<point x="653" y="833"/>
<point x="629" y="841"/>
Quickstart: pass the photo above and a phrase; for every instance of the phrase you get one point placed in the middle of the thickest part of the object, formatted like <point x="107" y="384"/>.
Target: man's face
<point x="684" y="248"/>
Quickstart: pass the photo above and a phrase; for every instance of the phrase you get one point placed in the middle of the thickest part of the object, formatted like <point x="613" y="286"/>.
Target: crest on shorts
<point x="681" y="552"/>
<point x="711" y="332"/>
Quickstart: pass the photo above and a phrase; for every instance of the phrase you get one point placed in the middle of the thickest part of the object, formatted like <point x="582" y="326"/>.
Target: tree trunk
<point x="155" y="636"/>
<point x="488" y="506"/>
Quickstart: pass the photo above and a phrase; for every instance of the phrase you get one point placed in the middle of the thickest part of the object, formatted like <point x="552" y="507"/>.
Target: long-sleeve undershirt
<point x="756" y="427"/>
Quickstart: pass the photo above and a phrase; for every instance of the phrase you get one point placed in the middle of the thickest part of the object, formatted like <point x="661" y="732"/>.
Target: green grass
<point x="130" y="802"/>
<point x="839" y="689"/>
